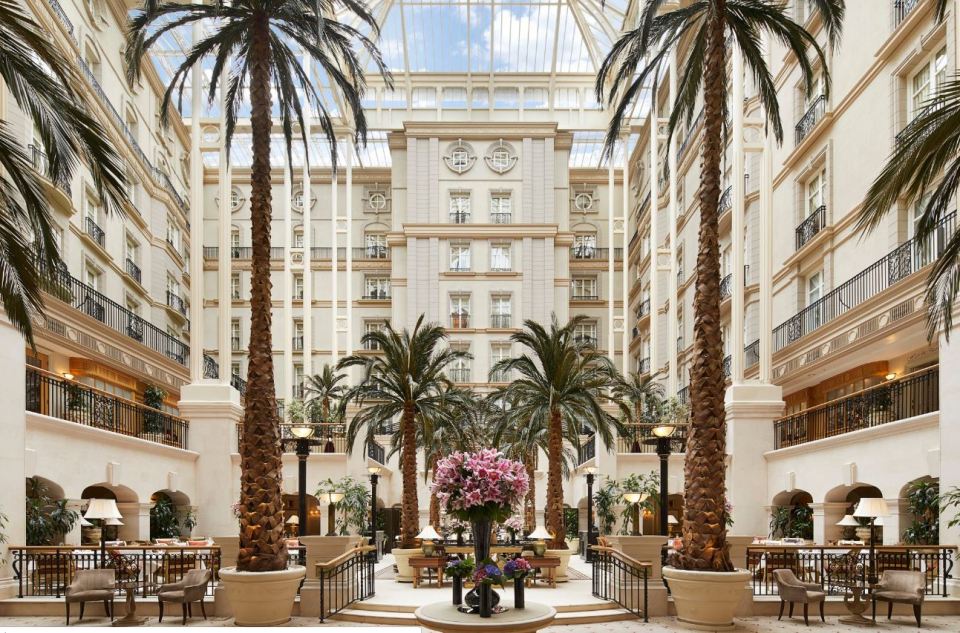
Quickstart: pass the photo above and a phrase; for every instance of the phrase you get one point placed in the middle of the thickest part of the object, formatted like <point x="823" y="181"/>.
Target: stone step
<point x="410" y="608"/>
<point x="591" y="614"/>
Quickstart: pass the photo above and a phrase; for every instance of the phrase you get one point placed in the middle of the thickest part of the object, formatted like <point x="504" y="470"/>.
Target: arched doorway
<point x="920" y="516"/>
<point x="791" y="515"/>
<point x="312" y="524"/>
<point x="170" y="515"/>
<point x="49" y="518"/>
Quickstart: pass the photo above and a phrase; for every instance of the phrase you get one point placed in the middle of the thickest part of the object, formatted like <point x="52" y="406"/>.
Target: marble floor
<point x="656" y="625"/>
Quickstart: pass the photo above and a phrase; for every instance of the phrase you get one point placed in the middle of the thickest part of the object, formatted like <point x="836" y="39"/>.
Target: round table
<point x="445" y="618"/>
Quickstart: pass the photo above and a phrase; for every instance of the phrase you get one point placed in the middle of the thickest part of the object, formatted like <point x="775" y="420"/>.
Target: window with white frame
<point x="680" y="274"/>
<point x="681" y="345"/>
<point x="298" y="286"/>
<point x="460" y="310"/>
<point x="375" y="245"/>
<point x="235" y="237"/>
<point x="816" y="191"/>
<point x="298" y="237"/>
<point x="814" y="312"/>
<point x="459" y="207"/>
<point x="500" y="311"/>
<point x="460" y="369"/>
<point x="173" y="286"/>
<point x="499" y="351"/>
<point x="927" y="81"/>
<point x="585" y="246"/>
<point x="173" y="233"/>
<point x="236" y="289"/>
<point x="584" y="288"/>
<point x="460" y="256"/>
<point x="298" y="380"/>
<point x="500" y="257"/>
<point x="501" y="207"/>
<point x="376" y="287"/>
<point x="92" y="275"/>
<point x="585" y="333"/>
<point x="373" y="326"/>
<point x="297" y="335"/>
<point x="235" y="333"/>
<point x="132" y="249"/>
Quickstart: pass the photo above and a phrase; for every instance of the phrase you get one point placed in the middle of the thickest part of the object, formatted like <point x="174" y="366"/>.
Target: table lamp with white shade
<point x="539" y="536"/>
<point x="871" y="509"/>
<point x="427" y="537"/>
<point x="848" y="521"/>
<point x="333" y="498"/>
<point x="672" y="520"/>
<point x="294" y="523"/>
<point x="102" y="510"/>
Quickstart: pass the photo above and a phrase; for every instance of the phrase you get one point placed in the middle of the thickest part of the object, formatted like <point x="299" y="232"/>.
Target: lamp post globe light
<point x="591" y="472"/>
<point x="634" y="499"/>
<point x="332" y="499"/>
<point x="661" y="440"/>
<point x="302" y="436"/>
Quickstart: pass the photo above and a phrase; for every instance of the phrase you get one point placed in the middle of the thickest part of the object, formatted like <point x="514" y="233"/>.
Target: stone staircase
<point x="402" y="615"/>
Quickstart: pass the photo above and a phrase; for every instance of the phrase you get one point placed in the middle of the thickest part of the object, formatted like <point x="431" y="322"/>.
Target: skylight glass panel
<point x="454" y="98"/>
<point x="391" y="44"/>
<point x="436" y="38"/>
<point x="481" y="98"/>
<point x="523" y="38"/>
<point x="377" y="151"/>
<point x="424" y="98"/>
<point x="506" y="99"/>
<point x="479" y="33"/>
<point x="572" y="53"/>
<point x="535" y="99"/>
<point x="566" y="99"/>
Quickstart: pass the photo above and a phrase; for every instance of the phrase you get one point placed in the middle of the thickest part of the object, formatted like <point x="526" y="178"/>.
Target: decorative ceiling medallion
<point x="460" y="157"/>
<point x="501" y="157"/>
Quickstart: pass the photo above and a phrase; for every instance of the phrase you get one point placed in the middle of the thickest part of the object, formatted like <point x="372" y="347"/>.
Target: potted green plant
<point x="47" y="519"/>
<point x="153" y="397"/>
<point x="457" y="570"/>
<point x="164" y="522"/>
<point x="605" y="502"/>
<point x="76" y="402"/>
<point x="923" y="502"/>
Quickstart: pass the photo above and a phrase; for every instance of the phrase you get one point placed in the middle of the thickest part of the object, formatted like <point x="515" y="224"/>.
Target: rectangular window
<point x="373" y="326"/>
<point x="235" y="237"/>
<point x="423" y="98"/>
<point x="298" y="335"/>
<point x="375" y="245"/>
<point x="235" y="335"/>
<point x="500" y="311"/>
<point x="459" y="207"/>
<point x="501" y="208"/>
<point x="460" y="311"/>
<point x="460" y="369"/>
<point x="298" y="380"/>
<point x="133" y="250"/>
<point x="500" y="257"/>
<point x="455" y="98"/>
<point x="298" y="238"/>
<point x="499" y="352"/>
<point x="298" y="286"/>
<point x="480" y="98"/>
<point x="235" y="369"/>
<point x="585" y="246"/>
<point x="814" y="312"/>
<point x="460" y="257"/>
<point x="586" y="333"/>
<point x="584" y="288"/>
<point x="376" y="288"/>
<point x="816" y="192"/>
<point x="235" y="287"/>
<point x="173" y="233"/>
<point x="506" y="98"/>
<point x="927" y="81"/>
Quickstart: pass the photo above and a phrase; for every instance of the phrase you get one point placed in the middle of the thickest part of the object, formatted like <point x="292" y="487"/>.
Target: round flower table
<point x="444" y="617"/>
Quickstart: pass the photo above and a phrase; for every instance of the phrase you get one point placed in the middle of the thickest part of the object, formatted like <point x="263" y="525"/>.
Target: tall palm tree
<point x="406" y="380"/>
<point x="44" y="86"/>
<point x="324" y="394"/>
<point x="636" y="60"/>
<point x="260" y="42"/>
<point x="561" y="380"/>
<point x="924" y="168"/>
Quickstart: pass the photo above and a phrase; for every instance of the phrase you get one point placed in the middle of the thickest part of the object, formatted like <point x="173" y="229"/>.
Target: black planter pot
<point x="486" y="600"/>
<point x="518" y="597"/>
<point x="457" y="591"/>
<point x="472" y="599"/>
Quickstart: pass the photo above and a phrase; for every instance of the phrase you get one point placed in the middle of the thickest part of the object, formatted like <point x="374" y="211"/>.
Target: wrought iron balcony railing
<point x="912" y="395"/>
<point x="810" y="119"/>
<point x="899" y="264"/>
<point x="133" y="270"/>
<point x="42" y="164"/>
<point x="176" y="302"/>
<point x="643" y="309"/>
<point x="902" y="8"/>
<point x="376" y="452"/>
<point x="587" y="450"/>
<point x="586" y="251"/>
<point x="95" y="232"/>
<point x="643" y="365"/>
<point x="691" y="135"/>
<point x="815" y="222"/>
<point x="459" y="217"/>
<point x="632" y="441"/>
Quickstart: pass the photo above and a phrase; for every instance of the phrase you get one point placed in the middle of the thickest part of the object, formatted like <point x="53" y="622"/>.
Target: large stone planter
<point x="261" y="598"/>
<point x="706" y="600"/>
<point x="402" y="558"/>
<point x="564" y="556"/>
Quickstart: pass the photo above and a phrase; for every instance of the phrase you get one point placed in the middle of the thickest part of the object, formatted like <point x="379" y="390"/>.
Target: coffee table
<point x="444" y="617"/>
<point x="419" y="563"/>
<point x="130" y="619"/>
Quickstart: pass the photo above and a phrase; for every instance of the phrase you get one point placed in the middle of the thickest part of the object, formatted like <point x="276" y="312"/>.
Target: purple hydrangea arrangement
<point x="516" y="569"/>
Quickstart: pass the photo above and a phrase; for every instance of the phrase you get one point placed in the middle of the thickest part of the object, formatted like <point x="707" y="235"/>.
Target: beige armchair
<point x="193" y="588"/>
<point x="902" y="587"/>
<point x="91" y="585"/>
<point x="792" y="589"/>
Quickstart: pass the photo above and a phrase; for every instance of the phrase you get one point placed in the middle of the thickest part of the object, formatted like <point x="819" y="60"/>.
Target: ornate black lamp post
<point x="302" y="438"/>
<point x="662" y="439"/>
<point x="591" y="539"/>
<point x="374" y="478"/>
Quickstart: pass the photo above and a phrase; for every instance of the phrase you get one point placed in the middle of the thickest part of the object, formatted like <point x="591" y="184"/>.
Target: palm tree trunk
<point x="410" y="506"/>
<point x="434" y="501"/>
<point x="555" y="482"/>
<point x="704" y="532"/>
<point x="530" y="504"/>
<point x="262" y="546"/>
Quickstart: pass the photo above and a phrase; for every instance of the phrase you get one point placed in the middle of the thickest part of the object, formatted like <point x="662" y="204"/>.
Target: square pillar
<point x="73" y="536"/>
<point x="214" y="411"/>
<point x="896" y="522"/>
<point x="825" y="518"/>
<point x="12" y="449"/>
<point x="136" y="521"/>
<point x="751" y="410"/>
<point x="949" y="465"/>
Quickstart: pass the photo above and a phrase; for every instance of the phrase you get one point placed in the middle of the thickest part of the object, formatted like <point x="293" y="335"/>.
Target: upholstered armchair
<point x="91" y="585"/>
<point x="193" y="588"/>
<point x="792" y="589"/>
<point x="902" y="587"/>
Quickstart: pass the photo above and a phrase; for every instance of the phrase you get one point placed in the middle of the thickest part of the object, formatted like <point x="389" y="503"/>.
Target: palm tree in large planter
<point x="404" y="381"/>
<point x="559" y="381"/>
<point x="705" y="587"/>
<point x="261" y="44"/>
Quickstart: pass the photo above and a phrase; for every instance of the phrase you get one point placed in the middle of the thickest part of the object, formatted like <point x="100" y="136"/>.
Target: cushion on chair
<point x="816" y="596"/>
<point x="93" y="595"/>
<point x="175" y="595"/>
<point x="899" y="596"/>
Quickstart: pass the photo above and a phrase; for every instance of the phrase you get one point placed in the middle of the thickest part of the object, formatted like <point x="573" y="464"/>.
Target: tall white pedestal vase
<point x="706" y="600"/>
<point x="262" y="598"/>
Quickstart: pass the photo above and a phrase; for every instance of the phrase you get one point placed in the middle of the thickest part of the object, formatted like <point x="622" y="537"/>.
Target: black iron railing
<point x="815" y="222"/>
<point x="346" y="579"/>
<point x="63" y="286"/>
<point x="359" y="253"/>
<point x="726" y="286"/>
<point x="46" y="571"/>
<point x="211" y="369"/>
<point x="585" y="251"/>
<point x="133" y="270"/>
<point x="727" y="365"/>
<point x="691" y="134"/>
<point x="587" y="450"/>
<point x="632" y="441"/>
<point x="621" y="579"/>
<point x="751" y="354"/>
<point x="95" y="232"/>
<point x="644" y="309"/>
<point x="899" y="264"/>
<point x="327" y="438"/>
<point x="818" y="107"/>
<point x="726" y="199"/>
<point x="42" y="164"/>
<point x="459" y="218"/>
<point x="176" y="302"/>
<point x="902" y="8"/>
<point x="376" y="452"/>
<point x="683" y="395"/>
<point x="837" y="569"/>
<point x="899" y="399"/>
<point x="57" y="397"/>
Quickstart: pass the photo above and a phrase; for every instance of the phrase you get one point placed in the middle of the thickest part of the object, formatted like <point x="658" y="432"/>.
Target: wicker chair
<point x="91" y="585"/>
<point x="193" y="588"/>
<point x="792" y="589"/>
<point x="902" y="587"/>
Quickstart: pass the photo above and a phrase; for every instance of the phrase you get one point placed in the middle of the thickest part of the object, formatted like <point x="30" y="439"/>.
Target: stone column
<point x="136" y="521"/>
<point x="896" y="522"/>
<point x="214" y="411"/>
<point x="73" y="536"/>
<point x="751" y="410"/>
<point x="12" y="449"/>
<point x="949" y="429"/>
<point x="737" y="222"/>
